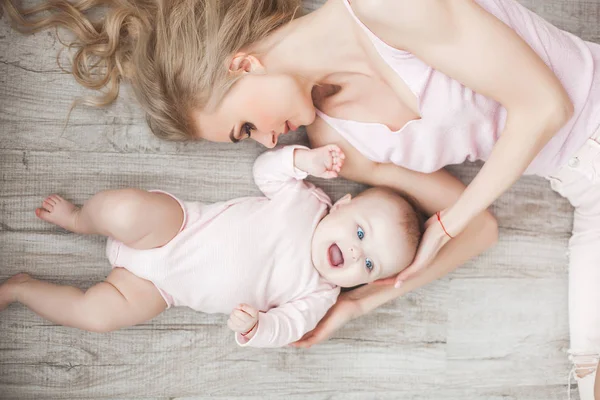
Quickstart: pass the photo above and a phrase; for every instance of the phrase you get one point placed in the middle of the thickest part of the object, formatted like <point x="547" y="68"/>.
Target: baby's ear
<point x="343" y="201"/>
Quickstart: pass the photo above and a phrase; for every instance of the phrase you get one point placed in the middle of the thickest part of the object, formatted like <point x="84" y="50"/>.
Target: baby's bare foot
<point x="59" y="211"/>
<point x="8" y="293"/>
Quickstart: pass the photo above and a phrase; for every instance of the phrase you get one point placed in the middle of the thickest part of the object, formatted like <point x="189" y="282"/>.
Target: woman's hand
<point x="322" y="162"/>
<point x="344" y="310"/>
<point x="436" y="235"/>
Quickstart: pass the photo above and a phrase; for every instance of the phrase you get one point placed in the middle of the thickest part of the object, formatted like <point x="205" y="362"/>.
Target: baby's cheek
<point x="355" y="276"/>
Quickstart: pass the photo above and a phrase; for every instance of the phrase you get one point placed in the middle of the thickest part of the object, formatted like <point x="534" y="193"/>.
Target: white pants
<point x="579" y="182"/>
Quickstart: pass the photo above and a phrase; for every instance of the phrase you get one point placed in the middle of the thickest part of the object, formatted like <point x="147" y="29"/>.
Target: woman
<point x="431" y="82"/>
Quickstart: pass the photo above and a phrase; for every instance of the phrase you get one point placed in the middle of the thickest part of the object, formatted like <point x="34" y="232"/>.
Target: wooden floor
<point x="495" y="329"/>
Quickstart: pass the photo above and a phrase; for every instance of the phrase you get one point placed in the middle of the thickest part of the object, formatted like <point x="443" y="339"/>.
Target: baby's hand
<point x="322" y="162"/>
<point x="244" y="320"/>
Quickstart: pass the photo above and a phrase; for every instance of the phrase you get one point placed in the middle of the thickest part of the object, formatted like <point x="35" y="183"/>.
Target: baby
<point x="274" y="263"/>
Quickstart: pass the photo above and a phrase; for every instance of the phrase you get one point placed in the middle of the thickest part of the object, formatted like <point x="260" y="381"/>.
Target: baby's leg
<point x="140" y="219"/>
<point x="122" y="300"/>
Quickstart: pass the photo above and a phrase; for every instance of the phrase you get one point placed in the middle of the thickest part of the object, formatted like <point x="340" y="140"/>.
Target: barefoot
<point x="59" y="211"/>
<point x="8" y="293"/>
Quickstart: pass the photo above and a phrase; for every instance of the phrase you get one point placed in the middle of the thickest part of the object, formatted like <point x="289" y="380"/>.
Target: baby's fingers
<point x="249" y="310"/>
<point x="337" y="158"/>
<point x="337" y="152"/>
<point x="242" y="318"/>
<point x="338" y="164"/>
<point x="333" y="147"/>
<point x="233" y="325"/>
<point x="239" y="317"/>
<point x="329" y="175"/>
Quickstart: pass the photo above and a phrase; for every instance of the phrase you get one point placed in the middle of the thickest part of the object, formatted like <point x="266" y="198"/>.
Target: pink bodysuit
<point x="254" y="250"/>
<point x="458" y="124"/>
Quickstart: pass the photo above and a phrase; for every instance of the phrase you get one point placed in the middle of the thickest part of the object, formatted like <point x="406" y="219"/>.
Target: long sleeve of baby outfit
<point x="287" y="323"/>
<point x="274" y="169"/>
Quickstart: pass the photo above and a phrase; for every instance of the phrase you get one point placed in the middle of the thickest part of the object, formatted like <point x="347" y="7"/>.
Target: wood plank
<point x="507" y="332"/>
<point x="495" y="329"/>
<point x="206" y="360"/>
<point x="579" y="17"/>
<point x="29" y="176"/>
<point x="530" y="206"/>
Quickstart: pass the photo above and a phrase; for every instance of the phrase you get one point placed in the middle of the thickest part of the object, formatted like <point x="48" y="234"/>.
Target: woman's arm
<point x="429" y="192"/>
<point x="479" y="235"/>
<point x="464" y="41"/>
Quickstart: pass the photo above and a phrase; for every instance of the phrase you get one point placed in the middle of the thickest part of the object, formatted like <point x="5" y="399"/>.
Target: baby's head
<point x="372" y="236"/>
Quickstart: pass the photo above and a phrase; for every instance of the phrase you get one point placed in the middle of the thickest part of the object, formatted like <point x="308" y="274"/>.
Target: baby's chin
<point x="322" y="269"/>
<point x="349" y="285"/>
<point x="337" y="280"/>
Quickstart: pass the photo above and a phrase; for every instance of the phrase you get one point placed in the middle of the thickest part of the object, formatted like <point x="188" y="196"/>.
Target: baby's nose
<point x="356" y="252"/>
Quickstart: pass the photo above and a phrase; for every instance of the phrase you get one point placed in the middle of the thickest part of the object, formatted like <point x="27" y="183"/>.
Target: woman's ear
<point x="245" y="63"/>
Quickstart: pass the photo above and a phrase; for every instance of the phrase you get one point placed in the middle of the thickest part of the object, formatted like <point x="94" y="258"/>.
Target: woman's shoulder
<point x="396" y="21"/>
<point x="403" y="10"/>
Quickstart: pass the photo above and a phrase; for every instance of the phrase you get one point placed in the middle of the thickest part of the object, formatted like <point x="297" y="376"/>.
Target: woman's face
<point x="259" y="106"/>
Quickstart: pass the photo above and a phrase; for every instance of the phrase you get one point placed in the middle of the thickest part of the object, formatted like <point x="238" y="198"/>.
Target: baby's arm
<point x="274" y="169"/>
<point x="281" y="325"/>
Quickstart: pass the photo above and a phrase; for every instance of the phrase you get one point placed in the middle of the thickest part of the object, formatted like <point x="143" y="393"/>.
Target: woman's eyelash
<point x="244" y="133"/>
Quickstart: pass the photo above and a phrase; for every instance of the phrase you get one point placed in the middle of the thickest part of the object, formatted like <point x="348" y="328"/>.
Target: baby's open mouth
<point x="336" y="258"/>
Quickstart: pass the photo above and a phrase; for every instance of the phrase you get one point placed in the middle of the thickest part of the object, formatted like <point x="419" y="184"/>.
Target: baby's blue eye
<point x="369" y="264"/>
<point x="360" y="233"/>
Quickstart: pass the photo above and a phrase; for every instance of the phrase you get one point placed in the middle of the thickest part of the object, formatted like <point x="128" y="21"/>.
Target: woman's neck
<point x="319" y="47"/>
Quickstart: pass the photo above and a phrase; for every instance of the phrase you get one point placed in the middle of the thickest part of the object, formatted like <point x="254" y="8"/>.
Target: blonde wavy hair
<point x="175" y="53"/>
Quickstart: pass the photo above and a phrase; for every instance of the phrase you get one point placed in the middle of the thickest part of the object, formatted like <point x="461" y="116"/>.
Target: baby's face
<point x="361" y="240"/>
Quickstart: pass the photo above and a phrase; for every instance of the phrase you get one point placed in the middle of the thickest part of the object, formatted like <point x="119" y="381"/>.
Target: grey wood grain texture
<point x="494" y="329"/>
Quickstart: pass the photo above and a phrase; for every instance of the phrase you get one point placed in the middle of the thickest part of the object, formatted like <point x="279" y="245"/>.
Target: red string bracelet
<point x="442" y="224"/>
<point x="251" y="329"/>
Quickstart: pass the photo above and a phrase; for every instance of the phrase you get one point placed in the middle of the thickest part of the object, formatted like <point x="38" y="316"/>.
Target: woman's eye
<point x="247" y="129"/>
<point x="360" y="233"/>
<point x="369" y="264"/>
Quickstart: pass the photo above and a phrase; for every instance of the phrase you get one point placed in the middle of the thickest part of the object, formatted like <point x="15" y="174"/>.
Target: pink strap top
<point x="458" y="124"/>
